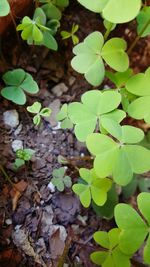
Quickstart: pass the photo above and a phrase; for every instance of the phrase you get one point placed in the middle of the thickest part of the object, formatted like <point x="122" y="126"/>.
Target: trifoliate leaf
<point x="93" y="108"/>
<point x="119" y="160"/>
<point x="89" y="55"/>
<point x="18" y="81"/>
<point x="94" y="188"/>
<point x="113" y="256"/>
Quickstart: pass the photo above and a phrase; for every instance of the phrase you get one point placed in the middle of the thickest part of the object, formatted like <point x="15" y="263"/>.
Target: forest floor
<point x="41" y="226"/>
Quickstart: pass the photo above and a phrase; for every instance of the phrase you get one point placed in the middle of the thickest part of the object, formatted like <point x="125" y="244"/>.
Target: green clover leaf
<point x="94" y="109"/>
<point x="4" y="8"/>
<point x="120" y="12"/>
<point x="36" y="108"/>
<point x="63" y="117"/>
<point x="93" y="188"/>
<point x="112" y="256"/>
<point x="132" y="225"/>
<point x="60" y="180"/>
<point x="119" y="159"/>
<point x="72" y="35"/>
<point x="90" y="53"/>
<point x="139" y="86"/>
<point x="18" y="81"/>
<point x="35" y="31"/>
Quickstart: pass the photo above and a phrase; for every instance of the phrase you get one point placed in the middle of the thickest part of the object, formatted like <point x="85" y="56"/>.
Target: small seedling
<point x="17" y="83"/>
<point x="4" y="8"/>
<point x="72" y="35"/>
<point x="92" y="187"/>
<point x="23" y="156"/>
<point x="63" y="117"/>
<point x="37" y="109"/>
<point x="35" y="31"/>
<point x="60" y="180"/>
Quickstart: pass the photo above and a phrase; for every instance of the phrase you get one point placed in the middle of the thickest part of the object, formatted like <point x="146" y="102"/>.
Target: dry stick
<point x="6" y="176"/>
<point x="138" y="37"/>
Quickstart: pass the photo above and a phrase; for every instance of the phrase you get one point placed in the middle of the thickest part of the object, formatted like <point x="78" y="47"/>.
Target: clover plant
<point x="53" y="8"/>
<point x="92" y="52"/>
<point x="60" y="180"/>
<point x="18" y="82"/>
<point x="63" y="117"/>
<point x="93" y="110"/>
<point x="23" y="156"/>
<point x="36" y="108"/>
<point x="92" y="188"/>
<point x="112" y="256"/>
<point x="121" y="243"/>
<point x="4" y="8"/>
<point x="72" y="35"/>
<point x="120" y="158"/>
<point x="35" y="31"/>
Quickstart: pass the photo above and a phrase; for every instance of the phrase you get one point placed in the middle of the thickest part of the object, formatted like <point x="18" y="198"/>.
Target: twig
<point x="138" y="37"/>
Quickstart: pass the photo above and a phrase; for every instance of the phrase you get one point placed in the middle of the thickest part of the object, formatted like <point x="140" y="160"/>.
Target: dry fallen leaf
<point x="16" y="193"/>
<point x="57" y="239"/>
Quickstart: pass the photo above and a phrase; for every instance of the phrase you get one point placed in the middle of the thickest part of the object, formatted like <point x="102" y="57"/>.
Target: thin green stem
<point x="6" y="175"/>
<point x="138" y="37"/>
<point x="108" y="31"/>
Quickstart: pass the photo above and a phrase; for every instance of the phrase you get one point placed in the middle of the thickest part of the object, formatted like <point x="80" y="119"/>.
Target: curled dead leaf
<point x="16" y="193"/>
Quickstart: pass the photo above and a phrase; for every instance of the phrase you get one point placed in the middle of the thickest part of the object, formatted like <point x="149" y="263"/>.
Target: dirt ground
<point x="42" y="227"/>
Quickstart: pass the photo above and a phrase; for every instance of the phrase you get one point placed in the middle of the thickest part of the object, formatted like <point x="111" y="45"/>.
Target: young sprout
<point x="60" y="180"/>
<point x="37" y="109"/>
<point x="72" y="35"/>
<point x="23" y="155"/>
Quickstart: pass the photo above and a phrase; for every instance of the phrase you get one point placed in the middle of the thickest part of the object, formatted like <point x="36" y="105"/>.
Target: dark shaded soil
<point x="42" y="217"/>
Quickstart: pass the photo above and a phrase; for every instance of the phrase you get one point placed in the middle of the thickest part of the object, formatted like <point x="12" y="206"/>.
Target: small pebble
<point x="51" y="187"/>
<point x="11" y="118"/>
<point x="8" y="221"/>
<point x="59" y="89"/>
<point x="16" y="145"/>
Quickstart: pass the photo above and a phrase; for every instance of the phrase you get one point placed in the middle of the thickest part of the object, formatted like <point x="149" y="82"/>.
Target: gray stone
<point x="17" y="144"/>
<point x="11" y="118"/>
<point x="59" y="89"/>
